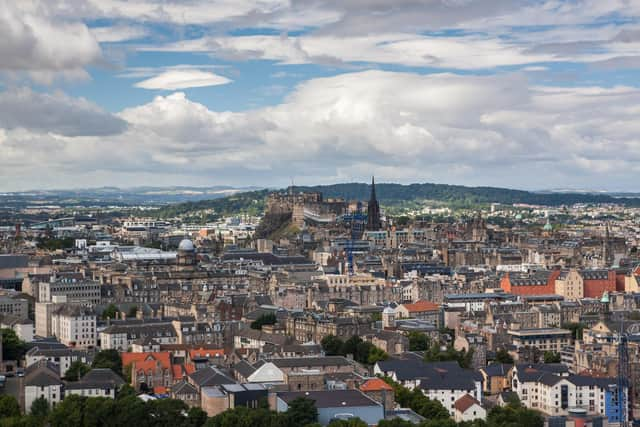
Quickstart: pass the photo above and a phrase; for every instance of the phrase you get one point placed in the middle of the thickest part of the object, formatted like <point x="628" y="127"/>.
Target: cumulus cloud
<point x="55" y="113"/>
<point x="183" y="79"/>
<point x="407" y="127"/>
<point x="33" y="41"/>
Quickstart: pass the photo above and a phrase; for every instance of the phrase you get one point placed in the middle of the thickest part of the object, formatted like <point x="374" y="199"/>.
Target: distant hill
<point x="398" y="194"/>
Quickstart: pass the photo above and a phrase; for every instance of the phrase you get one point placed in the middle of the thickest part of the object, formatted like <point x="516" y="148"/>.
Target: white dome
<point x="186" y="245"/>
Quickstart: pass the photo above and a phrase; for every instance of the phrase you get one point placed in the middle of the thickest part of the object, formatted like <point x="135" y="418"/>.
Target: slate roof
<point x="331" y="398"/>
<point x="183" y="387"/>
<point x="14" y="261"/>
<point x="301" y="362"/>
<point x="432" y="376"/>
<point x="497" y="369"/>
<point x="244" y="368"/>
<point x="42" y="375"/>
<point x="97" y="378"/>
<point x="210" y="376"/>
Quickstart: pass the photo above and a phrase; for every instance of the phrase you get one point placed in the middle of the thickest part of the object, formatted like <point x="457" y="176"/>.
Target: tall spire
<point x="373" y="188"/>
<point x="373" y="211"/>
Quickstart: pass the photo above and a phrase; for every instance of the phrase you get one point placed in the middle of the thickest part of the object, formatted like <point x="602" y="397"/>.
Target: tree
<point x="109" y="359"/>
<point x="133" y="311"/>
<point x="264" y="319"/>
<point x="576" y="329"/>
<point x="395" y="422"/>
<point x="514" y="416"/>
<point x="69" y="412"/>
<point x="196" y="417"/>
<point x="40" y="408"/>
<point x="110" y="312"/>
<point x="302" y="411"/>
<point x="418" y="402"/>
<point x="551" y="357"/>
<point x="332" y="345"/>
<point x="76" y="370"/>
<point x="13" y="348"/>
<point x="351" y="422"/>
<point x="9" y="406"/>
<point x="242" y="416"/>
<point x="418" y="341"/>
<point x="503" y="356"/>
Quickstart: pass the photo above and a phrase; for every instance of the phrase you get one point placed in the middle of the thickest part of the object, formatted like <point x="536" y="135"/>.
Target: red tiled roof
<point x="164" y="357"/>
<point x="178" y="372"/>
<point x="465" y="402"/>
<point x="375" y="384"/>
<point x="190" y="368"/>
<point x="421" y="305"/>
<point x="160" y="390"/>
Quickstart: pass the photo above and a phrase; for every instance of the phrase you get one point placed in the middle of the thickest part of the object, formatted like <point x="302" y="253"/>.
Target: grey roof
<point x="183" y="387"/>
<point x="497" y="369"/>
<point x="435" y="375"/>
<point x="42" y="375"/>
<point x="210" y="376"/>
<point x="97" y="378"/>
<point x="244" y="368"/>
<point x="331" y="398"/>
<point x="301" y="362"/>
<point x="14" y="261"/>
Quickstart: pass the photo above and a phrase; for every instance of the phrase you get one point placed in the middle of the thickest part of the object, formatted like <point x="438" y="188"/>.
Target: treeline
<point x="362" y="351"/>
<point x="392" y="193"/>
<point x="250" y="203"/>
<point x="398" y="195"/>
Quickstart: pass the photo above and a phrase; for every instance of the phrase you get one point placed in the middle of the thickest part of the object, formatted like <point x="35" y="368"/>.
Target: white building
<point x="468" y="408"/>
<point x="43" y="381"/>
<point x="74" y="326"/>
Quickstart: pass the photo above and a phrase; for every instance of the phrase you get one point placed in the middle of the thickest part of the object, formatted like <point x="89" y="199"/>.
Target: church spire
<point x="373" y="211"/>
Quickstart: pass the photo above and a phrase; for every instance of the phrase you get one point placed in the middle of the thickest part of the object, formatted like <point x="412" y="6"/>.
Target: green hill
<point x="394" y="195"/>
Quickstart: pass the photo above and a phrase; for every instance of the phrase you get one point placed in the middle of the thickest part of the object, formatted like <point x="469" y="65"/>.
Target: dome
<point x="186" y="245"/>
<point x="548" y="226"/>
<point x="519" y="217"/>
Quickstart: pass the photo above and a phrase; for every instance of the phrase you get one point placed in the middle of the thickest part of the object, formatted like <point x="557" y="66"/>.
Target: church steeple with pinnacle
<point x="373" y="211"/>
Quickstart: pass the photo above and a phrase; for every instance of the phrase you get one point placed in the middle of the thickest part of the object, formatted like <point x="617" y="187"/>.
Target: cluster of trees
<point x="52" y="244"/>
<point x="435" y="352"/>
<point x="127" y="409"/>
<point x="503" y="356"/>
<point x="362" y="351"/>
<point x="109" y="359"/>
<point x="576" y="329"/>
<point x="264" y="319"/>
<point x="13" y="348"/>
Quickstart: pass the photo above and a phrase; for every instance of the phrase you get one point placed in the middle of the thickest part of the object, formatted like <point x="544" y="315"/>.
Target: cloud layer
<point x="441" y="127"/>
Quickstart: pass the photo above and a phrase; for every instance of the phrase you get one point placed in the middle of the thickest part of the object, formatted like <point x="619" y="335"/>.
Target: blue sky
<point x="526" y="94"/>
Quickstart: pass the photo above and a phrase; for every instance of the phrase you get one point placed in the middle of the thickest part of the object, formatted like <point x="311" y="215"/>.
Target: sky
<point x="522" y="94"/>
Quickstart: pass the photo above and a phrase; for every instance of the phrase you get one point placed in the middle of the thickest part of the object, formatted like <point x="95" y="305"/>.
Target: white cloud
<point x="495" y="130"/>
<point x="33" y="41"/>
<point x="182" y="79"/>
<point x="55" y="113"/>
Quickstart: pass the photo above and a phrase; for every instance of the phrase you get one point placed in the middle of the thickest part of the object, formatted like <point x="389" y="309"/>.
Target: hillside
<point x="391" y="195"/>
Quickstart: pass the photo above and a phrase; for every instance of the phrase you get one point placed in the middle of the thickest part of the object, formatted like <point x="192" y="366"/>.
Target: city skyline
<point x="531" y="95"/>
